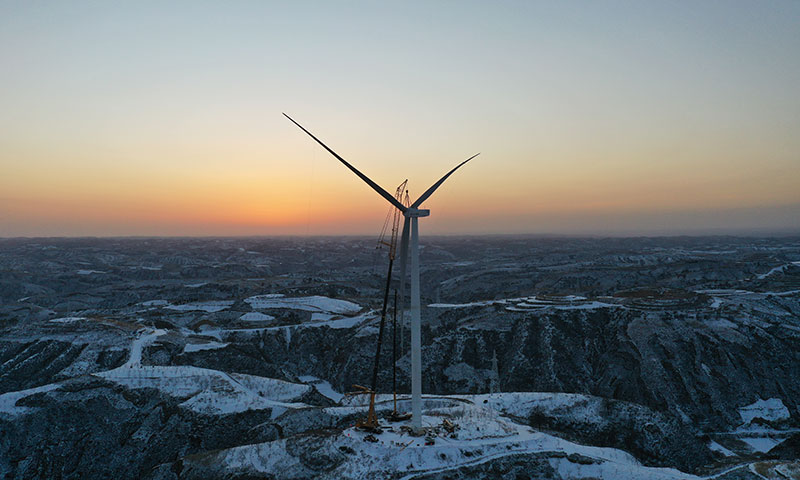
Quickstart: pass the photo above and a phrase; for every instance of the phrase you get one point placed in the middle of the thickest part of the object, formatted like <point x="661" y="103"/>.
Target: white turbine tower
<point x="411" y="214"/>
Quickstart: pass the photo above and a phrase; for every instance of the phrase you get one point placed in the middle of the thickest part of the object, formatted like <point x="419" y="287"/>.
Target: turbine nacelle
<point x="412" y="212"/>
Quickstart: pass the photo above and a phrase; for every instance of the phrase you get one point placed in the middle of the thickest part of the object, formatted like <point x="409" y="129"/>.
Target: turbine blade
<point x="366" y="179"/>
<point x="433" y="188"/>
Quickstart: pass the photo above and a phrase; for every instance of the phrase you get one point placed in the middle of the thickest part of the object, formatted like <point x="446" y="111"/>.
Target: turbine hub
<point x="417" y="212"/>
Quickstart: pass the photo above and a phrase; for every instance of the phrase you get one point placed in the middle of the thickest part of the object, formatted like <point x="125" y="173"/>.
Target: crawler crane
<point x="393" y="219"/>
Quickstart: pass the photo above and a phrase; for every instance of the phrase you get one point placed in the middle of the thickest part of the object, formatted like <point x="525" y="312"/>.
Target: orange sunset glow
<point x="148" y="119"/>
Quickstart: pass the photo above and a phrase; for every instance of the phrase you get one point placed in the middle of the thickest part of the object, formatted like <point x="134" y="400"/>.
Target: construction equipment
<point x="395" y="416"/>
<point x="393" y="219"/>
<point x="369" y="424"/>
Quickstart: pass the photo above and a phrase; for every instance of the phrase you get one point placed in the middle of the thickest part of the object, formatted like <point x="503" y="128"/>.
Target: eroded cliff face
<point x="704" y="366"/>
<point x="665" y="378"/>
<point x="32" y="362"/>
<point x="92" y="428"/>
<point x="698" y="366"/>
<point x="657" y="369"/>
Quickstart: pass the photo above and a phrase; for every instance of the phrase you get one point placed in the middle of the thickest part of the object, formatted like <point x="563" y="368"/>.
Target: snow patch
<point x="322" y="317"/>
<point x="771" y="410"/>
<point x="211" y="391"/>
<point x="68" y="319"/>
<point x="208" y="306"/>
<point x="196" y="347"/>
<point x="135" y="358"/>
<point x="256" y="317"/>
<point x="347" y="322"/>
<point x="155" y="303"/>
<point x="567" y="302"/>
<point x="8" y="400"/>
<point x="315" y="303"/>
<point x="778" y="269"/>
<point x="520" y="404"/>
<point x="761" y="444"/>
<point x="88" y="272"/>
<point x="719" y="448"/>
<point x="323" y="386"/>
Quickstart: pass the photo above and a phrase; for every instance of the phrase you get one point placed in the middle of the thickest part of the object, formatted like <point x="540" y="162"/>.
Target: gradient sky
<point x="164" y="118"/>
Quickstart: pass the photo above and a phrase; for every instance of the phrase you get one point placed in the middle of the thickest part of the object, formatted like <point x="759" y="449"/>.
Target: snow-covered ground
<point x="315" y="303"/>
<point x="779" y="268"/>
<point x="482" y="303"/>
<point x="758" y="437"/>
<point x="482" y="435"/>
<point x="337" y="322"/>
<point x="323" y="386"/>
<point x="761" y="444"/>
<point x="8" y="400"/>
<point x="723" y="292"/>
<point x="211" y="306"/>
<point x="211" y="391"/>
<point x="146" y="337"/>
<point x="205" y="390"/>
<point x="256" y="317"/>
<point x="716" y="302"/>
<point x="88" y="272"/>
<point x="520" y="404"/>
<point x="143" y="340"/>
<point x="346" y="322"/>
<point x="719" y="448"/>
<point x="68" y="319"/>
<point x="771" y="410"/>
<point x="155" y="303"/>
<point x="196" y="347"/>
<point x="567" y="302"/>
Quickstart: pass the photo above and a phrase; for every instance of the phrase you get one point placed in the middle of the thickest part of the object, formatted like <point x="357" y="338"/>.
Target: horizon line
<point x="766" y="233"/>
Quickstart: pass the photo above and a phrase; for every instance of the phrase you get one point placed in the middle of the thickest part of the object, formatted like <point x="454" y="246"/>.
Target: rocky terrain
<point x="227" y="358"/>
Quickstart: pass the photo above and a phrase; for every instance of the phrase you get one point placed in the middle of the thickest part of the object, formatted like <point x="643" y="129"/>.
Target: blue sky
<point x="592" y="117"/>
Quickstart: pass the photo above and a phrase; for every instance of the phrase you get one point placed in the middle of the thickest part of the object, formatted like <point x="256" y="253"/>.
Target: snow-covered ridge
<point x="204" y="390"/>
<point x="8" y="400"/>
<point x="778" y="269"/>
<point x="336" y="321"/>
<point x="520" y="304"/>
<point x="315" y="303"/>
<point x="211" y="391"/>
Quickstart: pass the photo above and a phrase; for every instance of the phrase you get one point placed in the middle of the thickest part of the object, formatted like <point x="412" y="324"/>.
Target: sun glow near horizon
<point x="652" y="119"/>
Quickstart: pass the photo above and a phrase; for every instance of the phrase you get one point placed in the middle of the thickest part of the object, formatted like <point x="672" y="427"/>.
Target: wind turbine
<point x="410" y="226"/>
